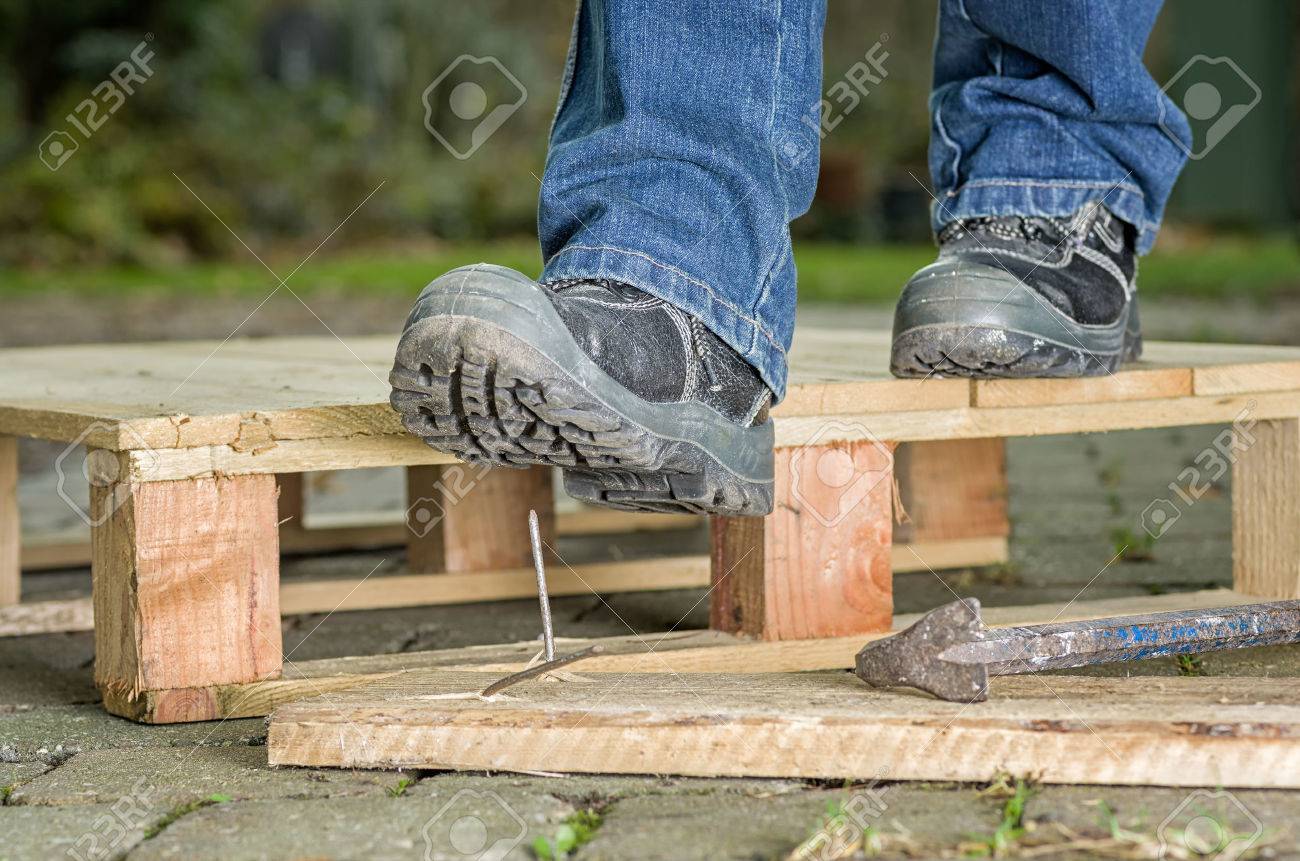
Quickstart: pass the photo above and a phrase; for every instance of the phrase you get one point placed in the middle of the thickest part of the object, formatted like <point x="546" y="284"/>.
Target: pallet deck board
<point x="1235" y="732"/>
<point x="228" y="403"/>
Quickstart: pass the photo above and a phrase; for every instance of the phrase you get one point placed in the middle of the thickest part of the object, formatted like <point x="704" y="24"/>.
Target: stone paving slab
<point x="458" y="825"/>
<point x="15" y="774"/>
<point x="47" y="670"/>
<point x="941" y="821"/>
<point x="54" y="734"/>
<point x="93" y="832"/>
<point x="588" y="791"/>
<point x="172" y="776"/>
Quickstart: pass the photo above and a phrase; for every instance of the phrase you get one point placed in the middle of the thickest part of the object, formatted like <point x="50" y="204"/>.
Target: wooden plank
<point x="475" y="518"/>
<point x="952" y="489"/>
<point x="327" y="531"/>
<point x="10" y="526"/>
<point x="1129" y="385"/>
<point x="1266" y="509"/>
<point x="844" y="371"/>
<point x="819" y="564"/>
<point x="1131" y="731"/>
<point x="251" y="396"/>
<point x="673" y="652"/>
<point x="680" y="572"/>
<point x="1034" y="421"/>
<point x="967" y="423"/>
<point x="416" y="590"/>
<point x="185" y="584"/>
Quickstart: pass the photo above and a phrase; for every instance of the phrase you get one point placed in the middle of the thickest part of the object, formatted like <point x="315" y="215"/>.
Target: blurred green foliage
<point x="282" y="116"/>
<point x="270" y="121"/>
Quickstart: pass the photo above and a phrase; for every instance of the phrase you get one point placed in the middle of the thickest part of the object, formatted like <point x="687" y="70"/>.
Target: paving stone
<point x="451" y="826"/>
<point x="54" y="734"/>
<point x="597" y="791"/>
<point x="14" y="774"/>
<point x="173" y="777"/>
<point x="713" y="828"/>
<point x="96" y="832"/>
<point x="51" y="669"/>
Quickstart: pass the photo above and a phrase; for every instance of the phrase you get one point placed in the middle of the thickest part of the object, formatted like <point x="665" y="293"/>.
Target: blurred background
<point x="265" y="124"/>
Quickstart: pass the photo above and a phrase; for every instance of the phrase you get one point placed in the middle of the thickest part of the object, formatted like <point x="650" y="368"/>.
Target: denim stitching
<point x="570" y="64"/>
<point x="1050" y="183"/>
<point x="680" y="274"/>
<point x="776" y="171"/>
<point x="952" y="144"/>
<point x="1143" y="223"/>
<point x="787" y="249"/>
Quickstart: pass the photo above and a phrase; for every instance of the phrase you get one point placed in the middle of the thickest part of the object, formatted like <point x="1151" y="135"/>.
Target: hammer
<point x="949" y="652"/>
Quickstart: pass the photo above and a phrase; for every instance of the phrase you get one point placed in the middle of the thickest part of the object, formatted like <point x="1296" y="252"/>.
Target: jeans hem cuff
<point x="1057" y="198"/>
<point x="746" y="335"/>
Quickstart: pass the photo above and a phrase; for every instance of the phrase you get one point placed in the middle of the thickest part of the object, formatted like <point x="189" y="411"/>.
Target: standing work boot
<point x="1022" y="296"/>
<point x="640" y="404"/>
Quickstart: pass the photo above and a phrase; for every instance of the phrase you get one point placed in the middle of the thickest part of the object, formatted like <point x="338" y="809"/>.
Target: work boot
<point x="637" y="401"/>
<point x="1022" y="296"/>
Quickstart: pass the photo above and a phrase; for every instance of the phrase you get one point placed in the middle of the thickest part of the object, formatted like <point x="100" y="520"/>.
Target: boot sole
<point x="983" y="323"/>
<point x="487" y="371"/>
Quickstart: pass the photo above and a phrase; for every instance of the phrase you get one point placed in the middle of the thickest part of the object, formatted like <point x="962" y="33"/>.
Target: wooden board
<point x="1266" y="509"/>
<point x="326" y="531"/>
<point x="413" y="590"/>
<point x="1235" y="732"/>
<point x="10" y="572"/>
<point x="673" y="652"/>
<point x="325" y="401"/>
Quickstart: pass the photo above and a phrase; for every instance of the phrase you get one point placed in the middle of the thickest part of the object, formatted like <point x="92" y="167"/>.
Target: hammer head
<point x="912" y="657"/>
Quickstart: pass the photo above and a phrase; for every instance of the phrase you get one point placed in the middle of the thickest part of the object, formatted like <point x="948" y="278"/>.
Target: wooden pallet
<point x="186" y="439"/>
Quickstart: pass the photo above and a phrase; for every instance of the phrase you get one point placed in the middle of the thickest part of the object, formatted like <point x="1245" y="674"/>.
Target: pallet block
<point x="464" y="518"/>
<point x="1060" y="729"/>
<point x="186" y="591"/>
<point x="1266" y="509"/>
<point x="819" y="565"/>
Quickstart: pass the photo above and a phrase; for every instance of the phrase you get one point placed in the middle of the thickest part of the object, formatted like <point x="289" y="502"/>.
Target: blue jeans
<point x="687" y="134"/>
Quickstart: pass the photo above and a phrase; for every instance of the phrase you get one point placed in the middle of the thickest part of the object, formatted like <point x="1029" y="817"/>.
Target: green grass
<point x="398" y="789"/>
<point x="1259" y="268"/>
<point x="1012" y="825"/>
<point x="183" y="810"/>
<point x="1131" y="547"/>
<point x="576" y="830"/>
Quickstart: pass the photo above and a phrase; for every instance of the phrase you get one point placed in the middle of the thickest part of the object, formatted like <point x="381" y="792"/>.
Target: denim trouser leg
<point x="678" y="159"/>
<point x="1039" y="108"/>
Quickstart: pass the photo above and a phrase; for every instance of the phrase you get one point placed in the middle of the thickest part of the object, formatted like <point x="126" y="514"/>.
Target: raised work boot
<point x="637" y="401"/>
<point x="1022" y="296"/>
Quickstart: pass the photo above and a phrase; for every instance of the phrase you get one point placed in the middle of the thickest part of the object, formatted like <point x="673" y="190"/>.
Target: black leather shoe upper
<point x="1084" y="265"/>
<point x="656" y="350"/>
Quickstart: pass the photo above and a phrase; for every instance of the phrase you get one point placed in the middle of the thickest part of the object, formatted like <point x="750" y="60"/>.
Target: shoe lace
<point x="1031" y="228"/>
